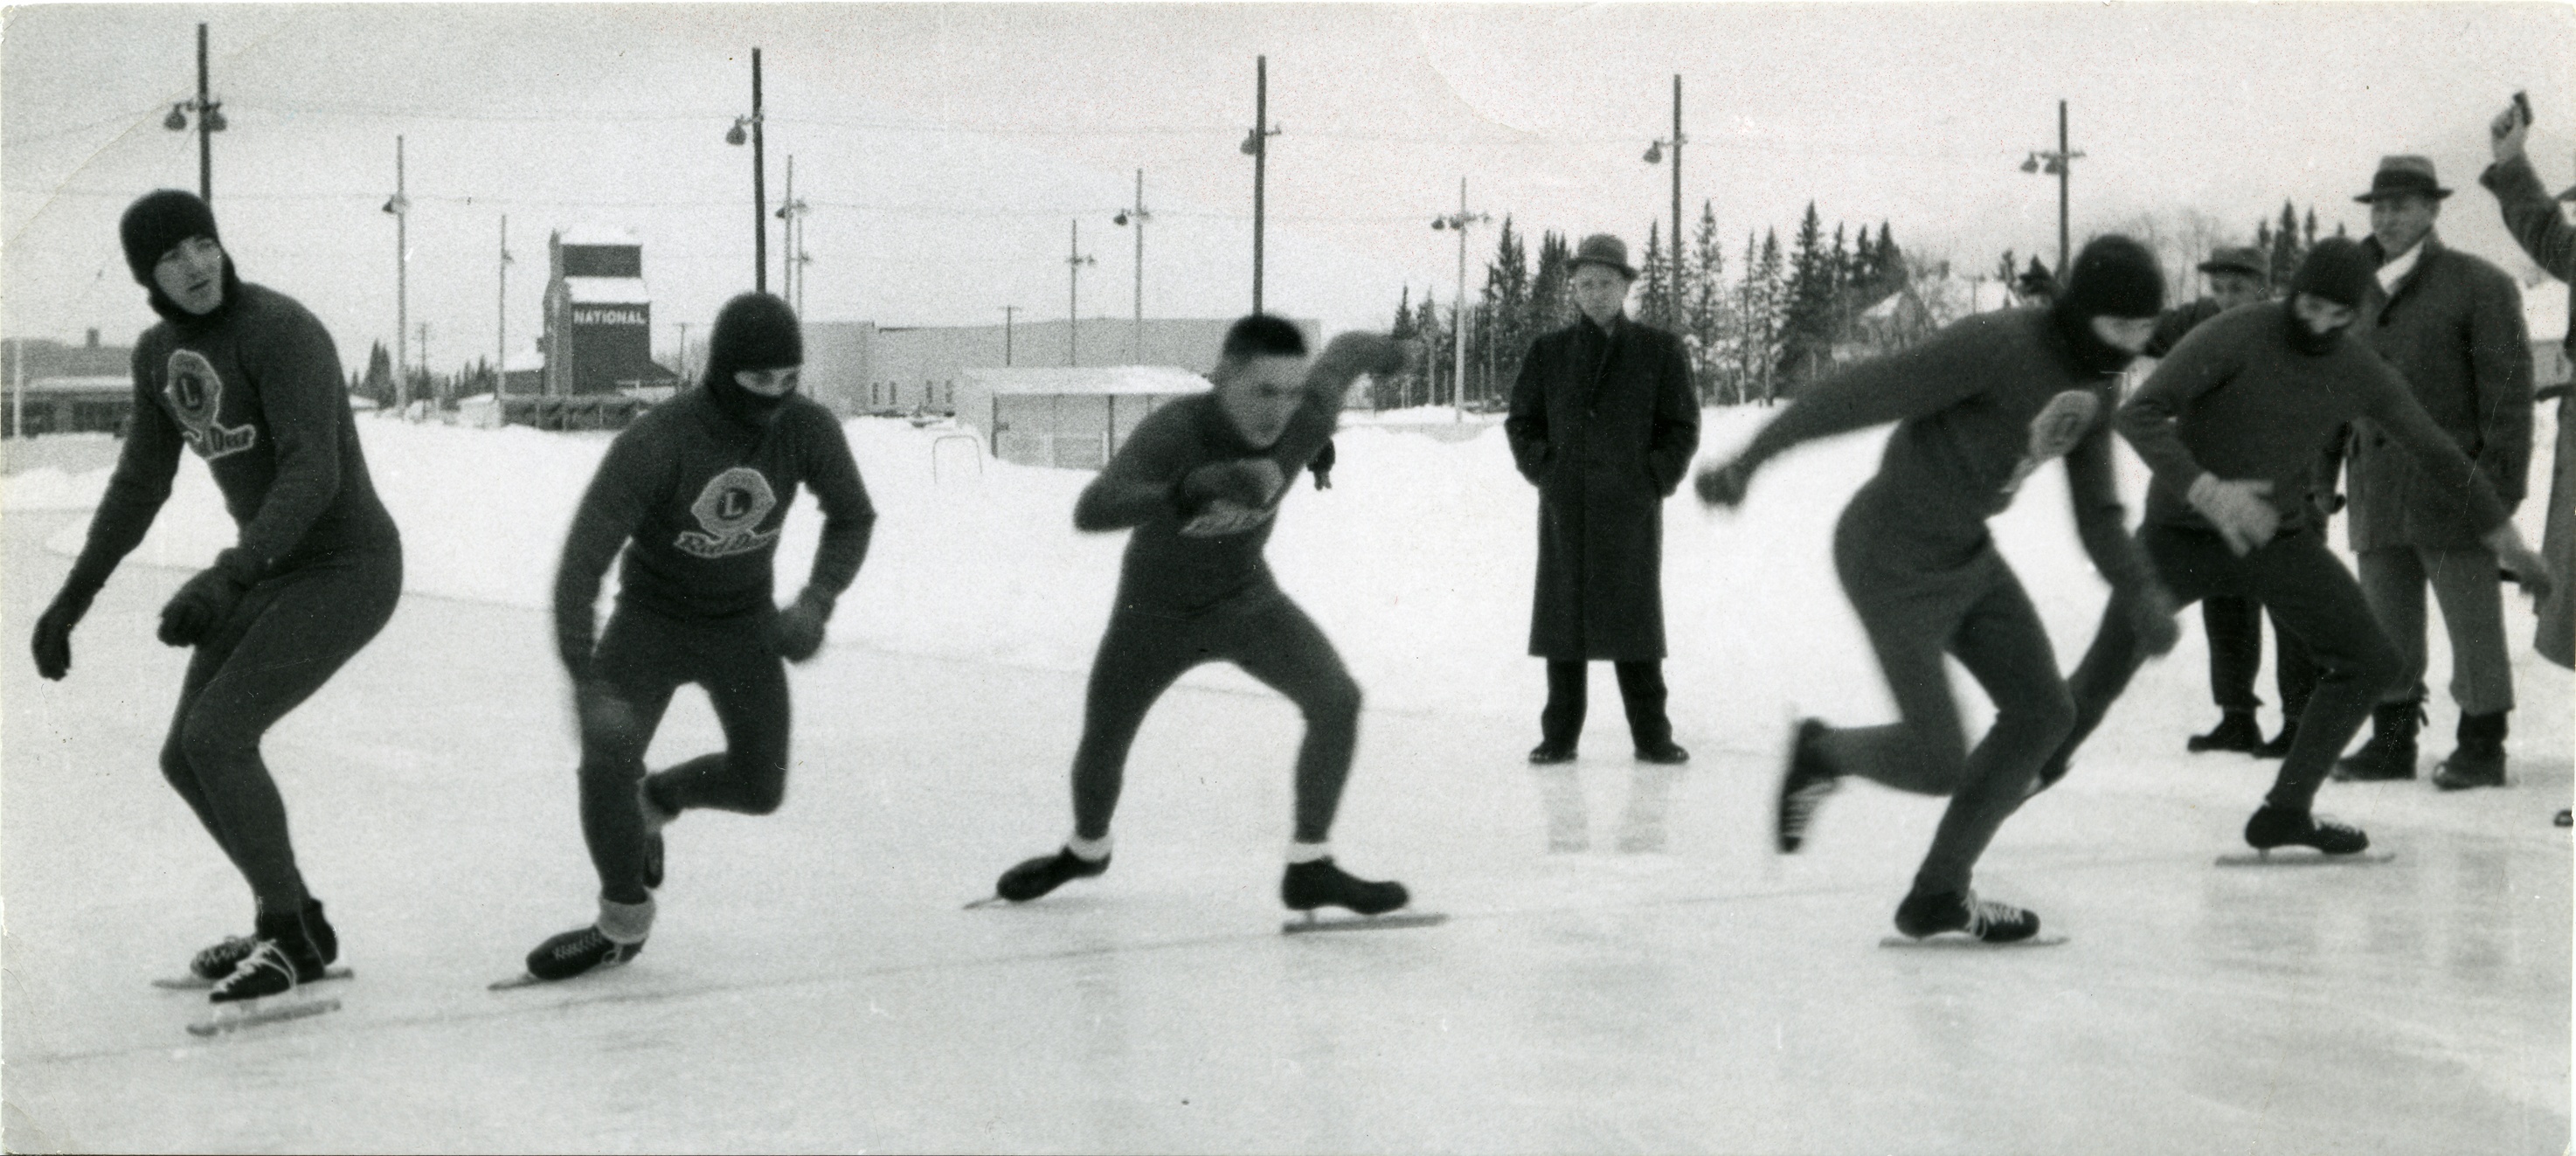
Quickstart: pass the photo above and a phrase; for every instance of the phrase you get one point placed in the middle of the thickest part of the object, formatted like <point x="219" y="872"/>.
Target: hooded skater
<point x="695" y="493"/>
<point x="1979" y="407"/>
<point x="249" y="380"/>
<point x="2231" y="424"/>
<point x="1199" y="483"/>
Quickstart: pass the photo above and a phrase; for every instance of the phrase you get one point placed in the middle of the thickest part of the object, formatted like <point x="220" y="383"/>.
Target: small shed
<point x="53" y="405"/>
<point x="1071" y="418"/>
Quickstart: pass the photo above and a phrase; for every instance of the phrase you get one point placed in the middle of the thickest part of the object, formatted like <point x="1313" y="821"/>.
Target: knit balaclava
<point x="155" y="224"/>
<point x="753" y="331"/>
<point x="2337" y="270"/>
<point x="2113" y="277"/>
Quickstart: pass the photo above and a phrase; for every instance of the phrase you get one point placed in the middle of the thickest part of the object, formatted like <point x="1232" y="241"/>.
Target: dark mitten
<point x="1724" y="485"/>
<point x="1323" y="479"/>
<point x="206" y="599"/>
<point x="2151" y="618"/>
<point x="798" y="631"/>
<point x="54" y="633"/>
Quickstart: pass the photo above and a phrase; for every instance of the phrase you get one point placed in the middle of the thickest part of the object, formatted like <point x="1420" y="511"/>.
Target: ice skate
<point x="2272" y="828"/>
<point x="2235" y="732"/>
<point x="214" y="963"/>
<point x="1322" y="883"/>
<point x="1804" y="785"/>
<point x="283" y="956"/>
<point x="1959" y="918"/>
<point x="1034" y="878"/>
<point x="573" y="953"/>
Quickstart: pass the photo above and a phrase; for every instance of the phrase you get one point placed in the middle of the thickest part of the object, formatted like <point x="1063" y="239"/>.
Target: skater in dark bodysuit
<point x="695" y="492"/>
<point x="248" y="379"/>
<point x="2231" y="424"/>
<point x="1199" y="481"/>
<point x="1979" y="407"/>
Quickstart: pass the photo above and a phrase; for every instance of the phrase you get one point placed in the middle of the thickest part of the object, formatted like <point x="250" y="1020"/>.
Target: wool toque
<point x="2338" y="270"/>
<point x="156" y="223"/>
<point x="2114" y="277"/>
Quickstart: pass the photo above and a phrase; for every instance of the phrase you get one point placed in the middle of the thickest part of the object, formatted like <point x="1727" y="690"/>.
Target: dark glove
<point x="1323" y="479"/>
<point x="204" y="602"/>
<point x="798" y="630"/>
<point x="1724" y="485"/>
<point x="54" y="633"/>
<point x="1247" y="482"/>
<point x="2151" y="619"/>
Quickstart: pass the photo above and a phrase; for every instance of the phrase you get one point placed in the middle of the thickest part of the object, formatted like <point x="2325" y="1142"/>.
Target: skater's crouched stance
<point x="696" y="492"/>
<point x="1978" y="408"/>
<point x="2231" y="424"/>
<point x="249" y="380"/>
<point x="1199" y="481"/>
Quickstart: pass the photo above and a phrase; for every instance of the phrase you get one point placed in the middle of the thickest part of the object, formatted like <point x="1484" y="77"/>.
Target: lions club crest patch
<point x="729" y="511"/>
<point x="196" y="396"/>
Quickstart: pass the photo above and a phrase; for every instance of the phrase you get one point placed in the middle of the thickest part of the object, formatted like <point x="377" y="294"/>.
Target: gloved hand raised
<point x="2237" y="509"/>
<point x="207" y="599"/>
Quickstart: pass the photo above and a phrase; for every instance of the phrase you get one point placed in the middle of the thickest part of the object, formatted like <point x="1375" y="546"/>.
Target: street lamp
<point x="759" y="186"/>
<point x="792" y="271"/>
<point x="1654" y="156"/>
<point x="1136" y="342"/>
<point x="210" y="120"/>
<point x="1458" y="223"/>
<point x="2056" y="164"/>
<point x="1073" y="263"/>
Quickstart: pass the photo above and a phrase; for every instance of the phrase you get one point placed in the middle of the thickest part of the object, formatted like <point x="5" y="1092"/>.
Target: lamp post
<point x="1073" y="264"/>
<point x="210" y="120"/>
<point x="1654" y="155"/>
<point x="2056" y="164"/>
<point x="792" y="242"/>
<point x="1256" y="145"/>
<point x="501" y="339"/>
<point x="759" y="181"/>
<point x="400" y="206"/>
<point x="1458" y="223"/>
<point x="1136" y="341"/>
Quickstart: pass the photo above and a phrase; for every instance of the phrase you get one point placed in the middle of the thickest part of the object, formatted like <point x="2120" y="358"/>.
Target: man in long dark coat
<point x="1604" y="422"/>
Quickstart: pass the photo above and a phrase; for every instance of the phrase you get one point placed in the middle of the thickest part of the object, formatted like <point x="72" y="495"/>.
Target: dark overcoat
<point x="2453" y="328"/>
<point x="1604" y="425"/>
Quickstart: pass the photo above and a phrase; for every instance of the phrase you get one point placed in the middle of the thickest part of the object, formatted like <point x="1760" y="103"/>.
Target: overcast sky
<point x="947" y="152"/>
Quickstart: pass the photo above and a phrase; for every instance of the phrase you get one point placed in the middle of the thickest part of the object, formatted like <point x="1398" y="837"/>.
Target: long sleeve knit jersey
<point x="2237" y="400"/>
<point x="697" y="499"/>
<point x="256" y="391"/>
<point x="1979" y="406"/>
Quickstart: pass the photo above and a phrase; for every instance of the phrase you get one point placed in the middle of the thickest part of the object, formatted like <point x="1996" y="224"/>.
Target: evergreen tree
<point x="380" y="376"/>
<point x="1704" y="314"/>
<point x="1507" y="285"/>
<point x="1807" y="325"/>
<point x="1550" y="306"/>
<point x="2285" y="246"/>
<point x="2006" y="269"/>
<point x="1655" y="304"/>
<point x="2311" y="227"/>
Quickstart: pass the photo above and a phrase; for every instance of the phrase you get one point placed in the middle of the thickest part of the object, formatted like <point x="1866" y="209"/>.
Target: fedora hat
<point x="1602" y="249"/>
<point x="2244" y="259"/>
<point x="2403" y="176"/>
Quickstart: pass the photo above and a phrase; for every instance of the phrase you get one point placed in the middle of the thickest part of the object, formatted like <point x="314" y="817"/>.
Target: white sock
<point x="1089" y="850"/>
<point x="626" y="922"/>
<point x="1309" y="852"/>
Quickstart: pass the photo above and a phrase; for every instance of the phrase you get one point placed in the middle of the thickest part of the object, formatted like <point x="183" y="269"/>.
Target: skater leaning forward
<point x="248" y="379"/>
<point x="2231" y="424"/>
<point x="696" y="492"/>
<point x="1979" y="406"/>
<point x="1199" y="482"/>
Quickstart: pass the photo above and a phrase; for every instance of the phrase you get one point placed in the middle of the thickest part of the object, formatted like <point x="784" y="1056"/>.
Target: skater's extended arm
<point x="1328" y="386"/>
<point x="2101" y="522"/>
<point x="1925" y="379"/>
<point x="135" y="492"/>
<point x="2150" y="420"/>
<point x="2393" y="406"/>
<point x="1675" y="435"/>
<point x="1142" y="480"/>
<point x="633" y="472"/>
<point x="849" y="518"/>
<point x="300" y="388"/>
<point x="2533" y="216"/>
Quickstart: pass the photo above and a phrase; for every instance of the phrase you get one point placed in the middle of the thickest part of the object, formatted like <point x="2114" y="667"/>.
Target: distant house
<point x="1073" y="418"/>
<point x="66" y="388"/>
<point x="860" y="367"/>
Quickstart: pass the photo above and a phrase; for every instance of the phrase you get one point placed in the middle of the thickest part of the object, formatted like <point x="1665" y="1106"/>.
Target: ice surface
<point x="812" y="984"/>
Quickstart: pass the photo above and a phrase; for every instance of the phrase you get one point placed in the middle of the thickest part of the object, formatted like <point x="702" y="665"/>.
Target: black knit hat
<point x="2114" y="277"/>
<point x="156" y="223"/>
<point x="2338" y="270"/>
<point x="1262" y="335"/>
<point x="753" y="331"/>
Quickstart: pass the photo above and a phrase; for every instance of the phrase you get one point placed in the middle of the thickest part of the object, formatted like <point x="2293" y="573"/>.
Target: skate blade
<point x="1961" y="940"/>
<point x="2302" y="858"/>
<point x="255" y="1013"/>
<point x="1388" y="922"/>
<point x="192" y="983"/>
<point x="987" y="901"/>
<point x="520" y="980"/>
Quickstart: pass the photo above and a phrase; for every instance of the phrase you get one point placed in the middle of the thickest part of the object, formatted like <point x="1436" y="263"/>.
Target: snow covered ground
<point x="812" y="984"/>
